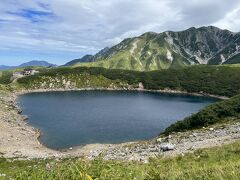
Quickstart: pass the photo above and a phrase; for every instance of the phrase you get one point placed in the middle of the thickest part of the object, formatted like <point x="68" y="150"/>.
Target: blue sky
<point x="61" y="30"/>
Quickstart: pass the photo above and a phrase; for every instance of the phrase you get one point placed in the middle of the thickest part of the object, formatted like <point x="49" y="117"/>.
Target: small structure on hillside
<point x="25" y="72"/>
<point x="29" y="71"/>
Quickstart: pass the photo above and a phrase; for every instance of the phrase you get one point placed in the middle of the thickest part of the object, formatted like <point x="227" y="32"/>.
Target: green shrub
<point x="5" y="77"/>
<point x="209" y="115"/>
<point x="218" y="80"/>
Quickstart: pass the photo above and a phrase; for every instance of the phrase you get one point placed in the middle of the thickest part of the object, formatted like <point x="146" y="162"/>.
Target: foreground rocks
<point x="176" y="144"/>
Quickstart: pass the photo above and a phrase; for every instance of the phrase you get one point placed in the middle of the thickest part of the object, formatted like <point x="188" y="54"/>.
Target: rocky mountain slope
<point x="153" y="51"/>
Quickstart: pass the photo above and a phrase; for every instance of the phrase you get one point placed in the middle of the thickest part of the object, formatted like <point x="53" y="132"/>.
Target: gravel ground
<point x="176" y="144"/>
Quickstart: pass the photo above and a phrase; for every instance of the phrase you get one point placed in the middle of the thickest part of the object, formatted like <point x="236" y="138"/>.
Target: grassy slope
<point x="6" y="75"/>
<point x="210" y="115"/>
<point x="215" y="163"/>
<point x="74" y="77"/>
<point x="144" y="53"/>
<point x="218" y="80"/>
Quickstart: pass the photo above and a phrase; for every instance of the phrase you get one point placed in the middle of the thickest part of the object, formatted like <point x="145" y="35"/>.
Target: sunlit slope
<point x="156" y="51"/>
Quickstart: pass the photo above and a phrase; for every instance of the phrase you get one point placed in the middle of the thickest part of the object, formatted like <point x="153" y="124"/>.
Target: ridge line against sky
<point x="61" y="30"/>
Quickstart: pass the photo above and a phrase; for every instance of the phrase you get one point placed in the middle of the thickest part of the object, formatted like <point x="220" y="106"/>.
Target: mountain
<point x="37" y="63"/>
<point x="30" y="63"/>
<point x="154" y="51"/>
<point x="87" y="58"/>
<point x="3" y="67"/>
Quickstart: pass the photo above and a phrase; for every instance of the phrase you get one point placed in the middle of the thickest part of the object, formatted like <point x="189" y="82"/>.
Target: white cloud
<point x="86" y="26"/>
<point x="230" y="21"/>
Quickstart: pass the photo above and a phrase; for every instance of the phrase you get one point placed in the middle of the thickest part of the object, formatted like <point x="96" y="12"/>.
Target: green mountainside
<point x="155" y="51"/>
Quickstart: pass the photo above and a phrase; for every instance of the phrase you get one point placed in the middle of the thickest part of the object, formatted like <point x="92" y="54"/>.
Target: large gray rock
<point x="167" y="147"/>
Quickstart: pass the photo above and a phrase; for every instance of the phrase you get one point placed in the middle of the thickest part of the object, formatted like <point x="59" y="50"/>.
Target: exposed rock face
<point x="153" y="51"/>
<point x="140" y="86"/>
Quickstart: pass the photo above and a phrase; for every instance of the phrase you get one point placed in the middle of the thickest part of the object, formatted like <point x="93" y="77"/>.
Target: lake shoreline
<point x="40" y="151"/>
<point x="166" y="91"/>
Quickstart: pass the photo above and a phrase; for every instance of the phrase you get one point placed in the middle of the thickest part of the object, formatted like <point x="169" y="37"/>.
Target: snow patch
<point x="169" y="55"/>
<point x="134" y="46"/>
<point x="238" y="48"/>
<point x="169" y="39"/>
<point x="223" y="58"/>
<point x="140" y="52"/>
<point x="200" y="60"/>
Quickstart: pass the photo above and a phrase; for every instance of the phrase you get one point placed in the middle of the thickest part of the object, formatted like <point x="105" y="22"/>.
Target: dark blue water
<point x="69" y="119"/>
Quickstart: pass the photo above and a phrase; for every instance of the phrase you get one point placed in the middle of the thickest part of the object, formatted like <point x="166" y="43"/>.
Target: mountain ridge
<point x="29" y="63"/>
<point x="169" y="49"/>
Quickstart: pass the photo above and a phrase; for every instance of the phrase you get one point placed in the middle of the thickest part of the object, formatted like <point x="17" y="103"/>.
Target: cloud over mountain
<point x="56" y="29"/>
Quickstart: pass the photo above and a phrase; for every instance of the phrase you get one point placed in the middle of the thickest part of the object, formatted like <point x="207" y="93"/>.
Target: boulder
<point x="167" y="147"/>
<point x="25" y="118"/>
<point x="159" y="140"/>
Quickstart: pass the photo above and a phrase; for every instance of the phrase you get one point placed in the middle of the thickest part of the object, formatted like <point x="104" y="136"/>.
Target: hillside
<point x="155" y="51"/>
<point x="217" y="80"/>
<point x="6" y="76"/>
<point x="87" y="58"/>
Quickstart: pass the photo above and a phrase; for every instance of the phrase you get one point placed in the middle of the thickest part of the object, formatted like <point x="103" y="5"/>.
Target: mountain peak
<point x="37" y="63"/>
<point x="30" y="63"/>
<point x="153" y="51"/>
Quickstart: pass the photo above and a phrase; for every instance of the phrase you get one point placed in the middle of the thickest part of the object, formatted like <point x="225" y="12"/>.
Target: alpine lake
<point x="68" y="119"/>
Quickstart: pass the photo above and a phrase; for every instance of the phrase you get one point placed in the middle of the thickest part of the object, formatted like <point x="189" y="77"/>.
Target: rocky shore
<point x="129" y="88"/>
<point x="176" y="144"/>
<point x="18" y="139"/>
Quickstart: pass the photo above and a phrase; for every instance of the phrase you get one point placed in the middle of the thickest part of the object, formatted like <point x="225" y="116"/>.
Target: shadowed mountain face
<point x="153" y="51"/>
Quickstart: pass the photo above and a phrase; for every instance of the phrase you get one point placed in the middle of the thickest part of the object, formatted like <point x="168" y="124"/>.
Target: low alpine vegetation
<point x="210" y="115"/>
<point x="214" y="163"/>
